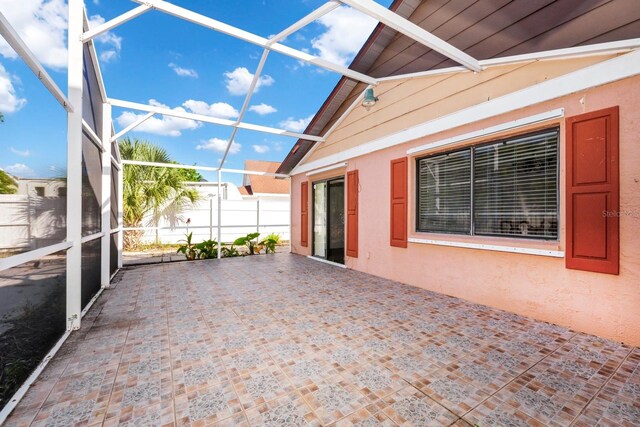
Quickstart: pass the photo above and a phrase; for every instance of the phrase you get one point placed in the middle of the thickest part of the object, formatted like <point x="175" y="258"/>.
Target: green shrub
<point x="250" y="241"/>
<point x="188" y="249"/>
<point x="207" y="249"/>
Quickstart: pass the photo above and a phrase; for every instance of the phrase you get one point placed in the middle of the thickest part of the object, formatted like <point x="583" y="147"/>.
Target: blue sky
<point x="160" y="59"/>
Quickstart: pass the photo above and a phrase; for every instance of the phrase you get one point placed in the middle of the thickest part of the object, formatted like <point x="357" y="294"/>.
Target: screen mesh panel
<point x="32" y="317"/>
<point x="91" y="252"/>
<point x="91" y="187"/>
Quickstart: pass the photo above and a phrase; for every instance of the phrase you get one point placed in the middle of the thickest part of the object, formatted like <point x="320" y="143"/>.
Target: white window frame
<point x="471" y="233"/>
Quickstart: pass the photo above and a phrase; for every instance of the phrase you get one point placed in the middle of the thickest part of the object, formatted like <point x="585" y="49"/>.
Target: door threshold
<point x="337" y="264"/>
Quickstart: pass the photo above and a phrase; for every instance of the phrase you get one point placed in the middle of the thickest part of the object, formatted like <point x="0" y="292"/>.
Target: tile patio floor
<point x="282" y="340"/>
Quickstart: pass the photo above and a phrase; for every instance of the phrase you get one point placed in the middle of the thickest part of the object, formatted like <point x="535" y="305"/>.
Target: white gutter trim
<point x="327" y="169"/>
<point x="512" y="249"/>
<point x="595" y="75"/>
<point x="599" y="49"/>
<point x="514" y="124"/>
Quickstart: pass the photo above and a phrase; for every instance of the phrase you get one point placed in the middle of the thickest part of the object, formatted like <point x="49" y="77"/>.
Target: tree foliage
<point x="189" y="175"/>
<point x="151" y="192"/>
<point x="8" y="184"/>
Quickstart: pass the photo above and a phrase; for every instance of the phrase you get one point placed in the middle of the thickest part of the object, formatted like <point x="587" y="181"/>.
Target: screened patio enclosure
<point x="62" y="237"/>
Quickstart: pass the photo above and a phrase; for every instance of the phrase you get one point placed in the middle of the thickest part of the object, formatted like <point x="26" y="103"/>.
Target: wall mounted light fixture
<point x="369" y="99"/>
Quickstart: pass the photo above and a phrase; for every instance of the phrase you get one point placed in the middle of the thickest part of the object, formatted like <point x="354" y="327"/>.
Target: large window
<point x="505" y="188"/>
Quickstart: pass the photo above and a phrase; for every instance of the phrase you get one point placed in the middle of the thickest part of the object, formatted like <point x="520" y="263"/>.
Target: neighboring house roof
<point x="484" y="29"/>
<point x="258" y="184"/>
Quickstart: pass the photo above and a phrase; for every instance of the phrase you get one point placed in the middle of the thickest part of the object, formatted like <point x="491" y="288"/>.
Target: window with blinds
<point x="504" y="188"/>
<point x="444" y="187"/>
<point x="516" y="187"/>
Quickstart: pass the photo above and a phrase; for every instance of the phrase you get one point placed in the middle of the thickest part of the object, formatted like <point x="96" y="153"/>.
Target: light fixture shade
<point x="369" y="99"/>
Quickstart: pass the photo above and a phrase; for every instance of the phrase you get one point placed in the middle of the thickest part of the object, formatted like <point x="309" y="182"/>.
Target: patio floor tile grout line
<point x="519" y="375"/>
<point x="242" y="409"/>
<point x="173" y="384"/>
<point x="62" y="373"/>
<point x="124" y="345"/>
<point x="597" y="393"/>
<point x="114" y="321"/>
<point x="430" y="398"/>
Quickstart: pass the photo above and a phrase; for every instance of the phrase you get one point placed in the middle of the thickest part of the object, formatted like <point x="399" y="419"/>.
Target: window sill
<point x="510" y="245"/>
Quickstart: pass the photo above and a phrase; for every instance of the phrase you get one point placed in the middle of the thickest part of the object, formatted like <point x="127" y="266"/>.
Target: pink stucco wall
<point x="531" y="285"/>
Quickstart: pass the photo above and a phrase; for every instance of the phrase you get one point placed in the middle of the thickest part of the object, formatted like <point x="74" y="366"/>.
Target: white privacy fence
<point x="238" y="218"/>
<point x="28" y="223"/>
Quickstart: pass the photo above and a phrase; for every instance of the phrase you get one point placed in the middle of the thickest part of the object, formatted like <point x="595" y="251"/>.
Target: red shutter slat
<point x="593" y="188"/>
<point x="304" y="214"/>
<point x="399" y="196"/>
<point x="352" y="213"/>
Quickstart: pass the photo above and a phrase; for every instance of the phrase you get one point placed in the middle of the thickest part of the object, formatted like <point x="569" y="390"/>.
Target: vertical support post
<point x="219" y="214"/>
<point x="210" y="217"/>
<point x="258" y="215"/>
<point x="120" y="213"/>
<point x="290" y="213"/>
<point x="106" y="196"/>
<point x="74" y="166"/>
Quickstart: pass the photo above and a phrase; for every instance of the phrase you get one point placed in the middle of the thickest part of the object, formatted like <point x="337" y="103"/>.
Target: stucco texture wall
<point x="531" y="285"/>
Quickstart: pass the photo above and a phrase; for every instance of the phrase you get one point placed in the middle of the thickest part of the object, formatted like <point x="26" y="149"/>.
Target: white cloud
<point x="239" y="80"/>
<point x="219" y="145"/>
<point x="21" y="153"/>
<point x="9" y="101"/>
<point x="107" y="56"/>
<point x="346" y="31"/>
<point x="42" y="24"/>
<point x="260" y="148"/>
<point x="183" y="72"/>
<point x="163" y="125"/>
<point x="217" y="109"/>
<point x="262" y="109"/>
<point x="296" y="125"/>
<point x="19" y="169"/>
<point x="111" y="42"/>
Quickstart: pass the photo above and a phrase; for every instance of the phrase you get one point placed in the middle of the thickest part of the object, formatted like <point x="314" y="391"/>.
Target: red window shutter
<point x="399" y="195"/>
<point x="304" y="214"/>
<point x="593" y="186"/>
<point x="352" y="213"/>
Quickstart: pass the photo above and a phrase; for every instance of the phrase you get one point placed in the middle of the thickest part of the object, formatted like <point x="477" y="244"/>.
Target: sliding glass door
<point x="328" y="220"/>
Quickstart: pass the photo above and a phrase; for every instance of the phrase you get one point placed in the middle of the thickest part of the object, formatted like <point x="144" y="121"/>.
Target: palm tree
<point x="8" y="184"/>
<point x="151" y="191"/>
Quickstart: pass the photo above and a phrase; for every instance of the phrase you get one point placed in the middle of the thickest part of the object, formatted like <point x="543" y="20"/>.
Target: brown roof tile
<point x="265" y="184"/>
